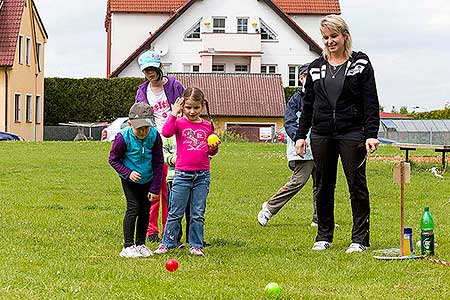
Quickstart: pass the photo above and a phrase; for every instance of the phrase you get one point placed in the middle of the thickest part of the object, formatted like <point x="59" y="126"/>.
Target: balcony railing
<point x="223" y="43"/>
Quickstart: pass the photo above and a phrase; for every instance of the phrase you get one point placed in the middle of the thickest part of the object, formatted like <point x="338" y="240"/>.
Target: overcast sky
<point x="408" y="42"/>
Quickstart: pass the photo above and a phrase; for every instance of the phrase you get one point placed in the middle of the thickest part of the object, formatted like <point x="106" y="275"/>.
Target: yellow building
<point x="22" y="43"/>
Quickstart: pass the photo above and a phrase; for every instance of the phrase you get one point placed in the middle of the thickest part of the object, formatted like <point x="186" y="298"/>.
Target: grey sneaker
<point x="144" y="251"/>
<point x="355" y="247"/>
<point x="264" y="216"/>
<point x="130" y="252"/>
<point x="321" y="245"/>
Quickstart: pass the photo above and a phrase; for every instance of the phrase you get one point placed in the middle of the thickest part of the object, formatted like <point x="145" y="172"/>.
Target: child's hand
<point x="214" y="147"/>
<point x="177" y="107"/>
<point x="153" y="197"/>
<point x="135" y="176"/>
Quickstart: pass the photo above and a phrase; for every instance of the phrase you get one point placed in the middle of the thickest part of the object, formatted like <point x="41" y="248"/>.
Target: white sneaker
<point x="196" y="251"/>
<point x="314" y="224"/>
<point x="161" y="249"/>
<point x="130" y="252"/>
<point x="355" y="247"/>
<point x="321" y="245"/>
<point x="264" y="216"/>
<point x="144" y="251"/>
<point x="264" y="205"/>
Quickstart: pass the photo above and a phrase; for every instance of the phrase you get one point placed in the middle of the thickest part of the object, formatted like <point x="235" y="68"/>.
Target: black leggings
<point x="137" y="214"/>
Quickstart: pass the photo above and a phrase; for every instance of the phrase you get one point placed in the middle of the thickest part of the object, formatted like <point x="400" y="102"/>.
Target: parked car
<point x="8" y="136"/>
<point x="109" y="133"/>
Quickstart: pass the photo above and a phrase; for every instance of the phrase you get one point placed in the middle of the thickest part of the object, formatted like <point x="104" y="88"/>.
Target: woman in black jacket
<point x="341" y="108"/>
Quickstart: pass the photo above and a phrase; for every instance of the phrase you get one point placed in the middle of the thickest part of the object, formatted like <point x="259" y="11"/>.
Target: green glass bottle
<point x="427" y="234"/>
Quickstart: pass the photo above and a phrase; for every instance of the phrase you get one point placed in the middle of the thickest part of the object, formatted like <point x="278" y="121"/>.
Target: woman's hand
<point x="177" y="107"/>
<point x="300" y="147"/>
<point x="372" y="145"/>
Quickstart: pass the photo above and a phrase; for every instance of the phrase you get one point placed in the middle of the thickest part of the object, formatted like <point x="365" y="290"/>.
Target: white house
<point x="248" y="36"/>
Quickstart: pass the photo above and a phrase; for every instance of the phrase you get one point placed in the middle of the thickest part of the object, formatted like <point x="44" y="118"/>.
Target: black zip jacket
<point x="357" y="107"/>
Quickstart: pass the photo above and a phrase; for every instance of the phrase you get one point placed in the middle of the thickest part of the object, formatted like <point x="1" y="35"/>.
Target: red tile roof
<point x="145" y="5"/>
<point x="10" y="18"/>
<point x="386" y="115"/>
<point x="239" y="95"/>
<point x="288" y="6"/>
<point x="321" y="7"/>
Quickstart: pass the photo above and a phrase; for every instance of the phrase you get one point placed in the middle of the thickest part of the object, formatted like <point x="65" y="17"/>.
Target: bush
<point x="88" y="99"/>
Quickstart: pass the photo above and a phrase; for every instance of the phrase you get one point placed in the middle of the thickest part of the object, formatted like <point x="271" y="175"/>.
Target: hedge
<point x="93" y="99"/>
<point x="88" y="99"/>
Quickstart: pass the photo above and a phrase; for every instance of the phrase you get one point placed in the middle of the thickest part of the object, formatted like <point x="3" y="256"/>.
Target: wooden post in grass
<point x="402" y="175"/>
<point x="402" y="206"/>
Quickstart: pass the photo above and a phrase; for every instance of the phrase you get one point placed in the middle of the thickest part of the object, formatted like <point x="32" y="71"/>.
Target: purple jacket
<point x="117" y="152"/>
<point x="173" y="89"/>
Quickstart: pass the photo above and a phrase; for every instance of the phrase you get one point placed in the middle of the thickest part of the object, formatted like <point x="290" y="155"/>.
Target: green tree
<point x="403" y="110"/>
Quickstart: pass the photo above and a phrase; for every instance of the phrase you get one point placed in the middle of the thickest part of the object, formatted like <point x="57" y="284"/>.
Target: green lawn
<point x="61" y="218"/>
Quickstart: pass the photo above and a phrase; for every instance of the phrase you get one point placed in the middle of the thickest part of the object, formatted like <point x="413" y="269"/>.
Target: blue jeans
<point x="193" y="184"/>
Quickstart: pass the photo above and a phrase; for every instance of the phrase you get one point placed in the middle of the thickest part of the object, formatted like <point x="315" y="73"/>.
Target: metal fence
<point x="435" y="132"/>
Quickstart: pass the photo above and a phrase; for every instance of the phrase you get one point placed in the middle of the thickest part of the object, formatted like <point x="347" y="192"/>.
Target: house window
<point x="267" y="34"/>
<point x="17" y="110"/>
<point x="241" y="68"/>
<point x="38" y="54"/>
<point x="218" y="68"/>
<point x="242" y="25"/>
<point x="167" y="67"/>
<point x="219" y="25"/>
<point x="193" y="33"/>
<point x="38" y="109"/>
<point x="20" y="49"/>
<point x="294" y="79"/>
<point x="27" y="51"/>
<point x="268" y="69"/>
<point x="29" y="109"/>
<point x="191" y="68"/>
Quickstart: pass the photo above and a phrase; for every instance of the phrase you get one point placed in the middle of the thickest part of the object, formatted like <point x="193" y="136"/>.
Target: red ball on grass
<point x="171" y="265"/>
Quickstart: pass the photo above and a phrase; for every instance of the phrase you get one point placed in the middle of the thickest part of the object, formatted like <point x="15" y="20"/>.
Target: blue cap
<point x="149" y="58"/>
<point x="407" y="230"/>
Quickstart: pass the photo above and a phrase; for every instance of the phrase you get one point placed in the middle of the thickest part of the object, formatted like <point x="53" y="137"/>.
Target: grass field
<point x="61" y="218"/>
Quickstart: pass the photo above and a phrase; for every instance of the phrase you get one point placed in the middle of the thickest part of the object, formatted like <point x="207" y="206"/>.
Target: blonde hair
<point x="337" y="24"/>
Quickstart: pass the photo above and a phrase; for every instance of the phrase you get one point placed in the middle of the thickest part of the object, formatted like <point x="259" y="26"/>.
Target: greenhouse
<point x="436" y="132"/>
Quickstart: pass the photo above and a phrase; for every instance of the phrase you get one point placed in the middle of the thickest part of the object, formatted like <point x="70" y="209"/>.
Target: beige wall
<point x="2" y="99"/>
<point x="22" y="79"/>
<point x="219" y="122"/>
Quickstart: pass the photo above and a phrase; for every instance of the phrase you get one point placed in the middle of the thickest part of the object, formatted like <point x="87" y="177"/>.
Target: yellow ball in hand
<point x="213" y="140"/>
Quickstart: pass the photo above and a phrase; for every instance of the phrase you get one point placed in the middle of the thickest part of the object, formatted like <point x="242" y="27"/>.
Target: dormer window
<point x="267" y="34"/>
<point x="242" y="25"/>
<point x="219" y="25"/>
<point x="194" y="32"/>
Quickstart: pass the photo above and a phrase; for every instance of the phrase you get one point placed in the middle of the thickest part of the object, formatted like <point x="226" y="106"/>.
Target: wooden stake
<point x="402" y="206"/>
